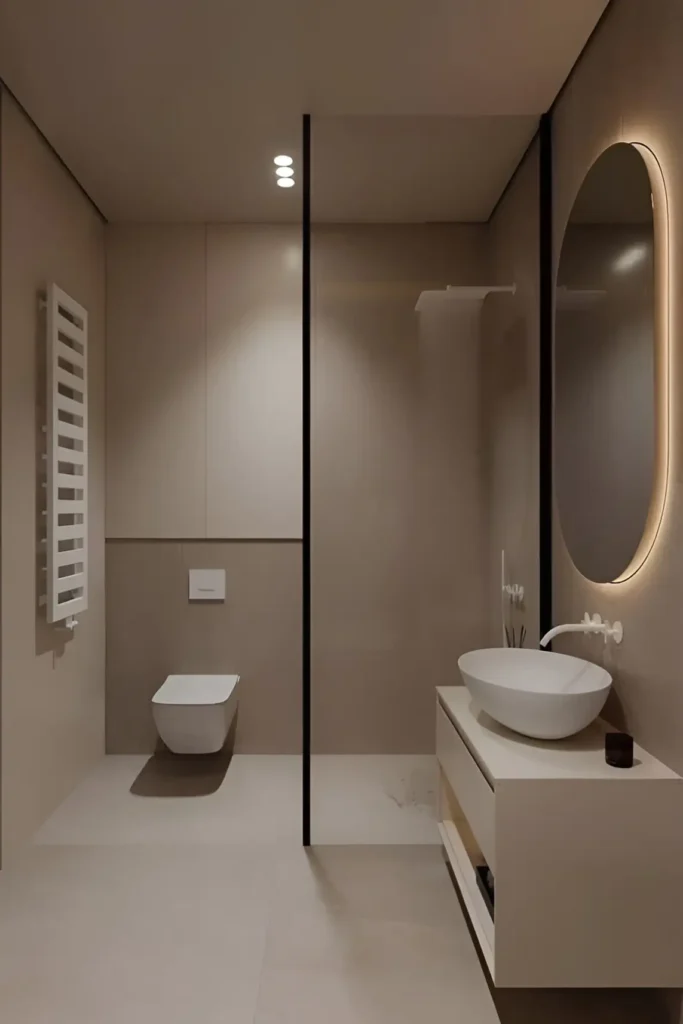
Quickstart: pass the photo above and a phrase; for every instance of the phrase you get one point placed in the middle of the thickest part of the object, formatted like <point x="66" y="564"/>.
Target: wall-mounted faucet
<point x="588" y="625"/>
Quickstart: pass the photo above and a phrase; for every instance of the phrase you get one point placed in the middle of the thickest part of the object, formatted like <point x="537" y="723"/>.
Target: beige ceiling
<point x="173" y="109"/>
<point x="413" y="168"/>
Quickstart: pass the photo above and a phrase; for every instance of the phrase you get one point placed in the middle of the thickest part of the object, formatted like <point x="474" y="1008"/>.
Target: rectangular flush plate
<point x="207" y="584"/>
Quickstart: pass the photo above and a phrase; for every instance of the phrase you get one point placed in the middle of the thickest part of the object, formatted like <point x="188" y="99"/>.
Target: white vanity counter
<point x="502" y="754"/>
<point x="587" y="859"/>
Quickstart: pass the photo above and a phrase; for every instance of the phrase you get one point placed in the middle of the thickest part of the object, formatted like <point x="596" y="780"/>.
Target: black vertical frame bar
<point x="546" y="381"/>
<point x="306" y="482"/>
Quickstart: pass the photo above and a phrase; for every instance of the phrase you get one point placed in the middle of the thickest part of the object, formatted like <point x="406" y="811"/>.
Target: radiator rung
<point x="71" y="330"/>
<point x="65" y="583"/>
<point x="70" y="481"/>
<point x="69" y="405"/>
<point x="69" y="380"/>
<point x="70" y="355"/>
<point x="71" y="456"/>
<point x="76" y="532"/>
<point x="67" y="608"/>
<point x="71" y="430"/>
<point x="70" y="507"/>
<point x="74" y="556"/>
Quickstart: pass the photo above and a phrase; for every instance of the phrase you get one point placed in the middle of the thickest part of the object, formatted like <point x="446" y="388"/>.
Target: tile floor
<point x="155" y="894"/>
<point x="360" y="799"/>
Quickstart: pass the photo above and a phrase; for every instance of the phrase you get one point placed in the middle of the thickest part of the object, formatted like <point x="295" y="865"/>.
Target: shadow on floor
<point x="569" y="1006"/>
<point x="167" y="774"/>
<point x="178" y="775"/>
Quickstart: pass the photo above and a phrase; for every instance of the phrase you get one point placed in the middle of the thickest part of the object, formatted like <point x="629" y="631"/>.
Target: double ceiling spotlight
<point x="284" y="171"/>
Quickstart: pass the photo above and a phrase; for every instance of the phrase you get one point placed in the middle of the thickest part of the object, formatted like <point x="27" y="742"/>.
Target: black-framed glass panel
<point x="399" y="550"/>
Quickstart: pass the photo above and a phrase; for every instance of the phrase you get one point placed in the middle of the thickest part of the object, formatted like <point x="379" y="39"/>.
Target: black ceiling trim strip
<point x="509" y="182"/>
<point x="598" y="25"/>
<point x="584" y="49"/>
<point x="4" y="87"/>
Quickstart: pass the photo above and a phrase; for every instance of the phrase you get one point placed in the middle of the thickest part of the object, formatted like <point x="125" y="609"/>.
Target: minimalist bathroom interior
<point x="340" y="525"/>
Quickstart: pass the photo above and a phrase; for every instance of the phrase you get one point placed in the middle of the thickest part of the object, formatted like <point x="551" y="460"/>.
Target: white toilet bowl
<point x="193" y="714"/>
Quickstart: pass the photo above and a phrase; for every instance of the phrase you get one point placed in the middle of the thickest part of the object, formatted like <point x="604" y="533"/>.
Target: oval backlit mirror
<point x="611" y="374"/>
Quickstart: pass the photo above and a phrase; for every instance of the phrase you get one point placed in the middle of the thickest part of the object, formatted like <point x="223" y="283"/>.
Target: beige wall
<point x="204" y="428"/>
<point x="397" y="531"/>
<point x="204" y="368"/>
<point x="52" y="685"/>
<point x="204" y="381"/>
<point x="509" y="387"/>
<point x="629" y="87"/>
<point x="606" y="84"/>
<point x="152" y="631"/>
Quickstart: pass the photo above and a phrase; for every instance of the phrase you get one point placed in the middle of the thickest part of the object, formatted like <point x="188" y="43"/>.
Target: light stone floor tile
<point x="329" y="939"/>
<point x="257" y="802"/>
<point x="374" y="798"/>
<point x="401" y="884"/>
<point x="140" y="996"/>
<point x="372" y="997"/>
<point x="369" y="934"/>
<point x="355" y="799"/>
<point x="383" y="883"/>
<point x="133" y="934"/>
<point x="190" y="899"/>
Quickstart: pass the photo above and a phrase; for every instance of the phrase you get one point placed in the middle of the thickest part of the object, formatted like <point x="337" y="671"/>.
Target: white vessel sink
<point x="537" y="693"/>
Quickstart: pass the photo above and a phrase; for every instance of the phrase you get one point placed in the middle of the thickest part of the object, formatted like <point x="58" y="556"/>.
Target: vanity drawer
<point x="473" y="792"/>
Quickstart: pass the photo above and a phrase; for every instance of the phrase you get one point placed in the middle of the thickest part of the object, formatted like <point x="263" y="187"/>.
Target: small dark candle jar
<point x="619" y="749"/>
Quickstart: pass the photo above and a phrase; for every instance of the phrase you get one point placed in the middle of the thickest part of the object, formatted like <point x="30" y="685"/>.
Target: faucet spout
<point x="587" y="625"/>
<point x="570" y="627"/>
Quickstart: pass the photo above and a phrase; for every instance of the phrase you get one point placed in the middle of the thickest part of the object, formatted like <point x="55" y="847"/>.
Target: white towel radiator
<point x="67" y="457"/>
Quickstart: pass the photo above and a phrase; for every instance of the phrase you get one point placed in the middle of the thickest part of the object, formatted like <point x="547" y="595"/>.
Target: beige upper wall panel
<point x="254" y="400"/>
<point x="156" y="381"/>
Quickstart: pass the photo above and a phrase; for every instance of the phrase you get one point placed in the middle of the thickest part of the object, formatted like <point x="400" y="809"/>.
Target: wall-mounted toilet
<point x="193" y="714"/>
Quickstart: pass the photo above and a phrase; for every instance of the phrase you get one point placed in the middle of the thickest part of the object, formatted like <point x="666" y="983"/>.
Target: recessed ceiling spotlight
<point x="285" y="172"/>
<point x="285" y="182"/>
<point x="283" y="161"/>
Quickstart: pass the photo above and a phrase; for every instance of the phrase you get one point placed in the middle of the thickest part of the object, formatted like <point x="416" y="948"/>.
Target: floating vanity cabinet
<point x="586" y="860"/>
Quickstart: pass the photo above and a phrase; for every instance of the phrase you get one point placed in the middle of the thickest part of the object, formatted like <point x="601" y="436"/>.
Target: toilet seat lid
<point x="195" y="690"/>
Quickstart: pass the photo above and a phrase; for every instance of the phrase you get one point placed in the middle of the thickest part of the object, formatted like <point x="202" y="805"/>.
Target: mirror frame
<point x="662" y="361"/>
